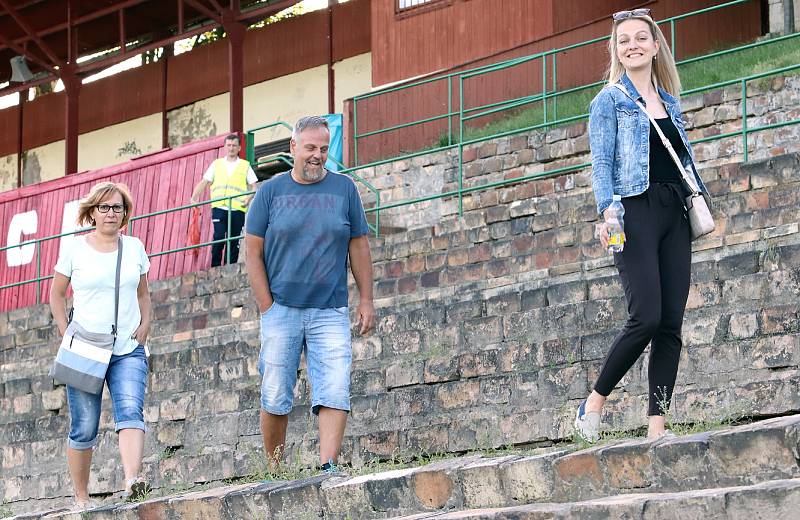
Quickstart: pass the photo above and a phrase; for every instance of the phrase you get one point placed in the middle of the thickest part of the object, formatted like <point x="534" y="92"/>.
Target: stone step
<point x="773" y="500"/>
<point x="632" y="472"/>
<point x="743" y="455"/>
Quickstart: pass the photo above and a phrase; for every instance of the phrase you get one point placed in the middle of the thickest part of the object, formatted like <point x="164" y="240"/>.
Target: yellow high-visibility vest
<point x="226" y="185"/>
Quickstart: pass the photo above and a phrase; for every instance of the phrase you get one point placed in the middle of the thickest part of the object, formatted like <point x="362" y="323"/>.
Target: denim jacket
<point x="619" y="138"/>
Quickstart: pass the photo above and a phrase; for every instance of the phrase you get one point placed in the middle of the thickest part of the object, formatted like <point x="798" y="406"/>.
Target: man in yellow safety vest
<point x="227" y="176"/>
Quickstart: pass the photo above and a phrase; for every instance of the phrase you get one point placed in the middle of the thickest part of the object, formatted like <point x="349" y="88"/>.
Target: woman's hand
<point x="142" y="331"/>
<point x="143" y="295"/>
<point x="601" y="230"/>
<point x="58" y="301"/>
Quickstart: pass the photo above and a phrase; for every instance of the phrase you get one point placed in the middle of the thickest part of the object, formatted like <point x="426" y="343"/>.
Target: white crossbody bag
<point x="700" y="219"/>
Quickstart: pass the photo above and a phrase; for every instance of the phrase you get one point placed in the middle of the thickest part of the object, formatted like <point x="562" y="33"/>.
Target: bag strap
<point x="693" y="187"/>
<point x="116" y="288"/>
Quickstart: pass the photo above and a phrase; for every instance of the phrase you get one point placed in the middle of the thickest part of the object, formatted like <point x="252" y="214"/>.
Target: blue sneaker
<point x="587" y="424"/>
<point x="330" y="468"/>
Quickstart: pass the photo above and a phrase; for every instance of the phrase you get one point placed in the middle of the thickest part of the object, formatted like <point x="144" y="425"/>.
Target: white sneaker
<point x="83" y="505"/>
<point x="587" y="424"/>
<point x="666" y="435"/>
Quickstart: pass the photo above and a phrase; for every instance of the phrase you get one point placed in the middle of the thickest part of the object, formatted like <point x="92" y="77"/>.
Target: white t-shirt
<point x="230" y="165"/>
<point x="92" y="275"/>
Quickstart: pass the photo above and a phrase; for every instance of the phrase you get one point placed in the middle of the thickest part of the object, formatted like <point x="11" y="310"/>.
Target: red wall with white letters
<point x="157" y="181"/>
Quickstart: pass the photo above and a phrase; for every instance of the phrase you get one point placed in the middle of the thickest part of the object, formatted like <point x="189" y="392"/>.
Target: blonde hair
<point x="664" y="71"/>
<point x="99" y="193"/>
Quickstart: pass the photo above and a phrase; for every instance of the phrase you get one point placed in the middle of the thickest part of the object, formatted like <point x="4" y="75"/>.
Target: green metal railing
<point x="744" y="132"/>
<point x="462" y="143"/>
<point x="550" y="56"/>
<point x="465" y="114"/>
<point x="37" y="243"/>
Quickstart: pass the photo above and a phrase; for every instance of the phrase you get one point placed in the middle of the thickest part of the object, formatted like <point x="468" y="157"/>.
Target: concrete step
<point x="706" y="468"/>
<point x="773" y="500"/>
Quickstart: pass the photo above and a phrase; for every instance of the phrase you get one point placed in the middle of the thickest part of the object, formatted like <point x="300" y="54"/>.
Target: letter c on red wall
<point x="21" y="224"/>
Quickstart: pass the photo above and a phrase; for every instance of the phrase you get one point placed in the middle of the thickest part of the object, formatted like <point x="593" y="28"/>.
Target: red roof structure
<point x="53" y="34"/>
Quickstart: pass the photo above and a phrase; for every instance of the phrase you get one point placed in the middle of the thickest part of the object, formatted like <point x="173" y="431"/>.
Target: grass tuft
<point x="724" y="416"/>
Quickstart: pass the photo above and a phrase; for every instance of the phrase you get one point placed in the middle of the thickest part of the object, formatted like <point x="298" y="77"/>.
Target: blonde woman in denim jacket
<point x="629" y="159"/>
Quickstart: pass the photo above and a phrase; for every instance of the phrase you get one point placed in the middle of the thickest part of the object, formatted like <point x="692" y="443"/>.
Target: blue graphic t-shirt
<point x="307" y="230"/>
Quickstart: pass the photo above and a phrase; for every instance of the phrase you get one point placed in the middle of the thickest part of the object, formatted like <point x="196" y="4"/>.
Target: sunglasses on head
<point x="623" y="15"/>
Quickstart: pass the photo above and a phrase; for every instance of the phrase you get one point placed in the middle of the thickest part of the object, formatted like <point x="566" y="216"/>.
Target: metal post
<point x="555" y="89"/>
<point x="38" y="272"/>
<point x="460" y="145"/>
<point x="72" y="86"/>
<point x="331" y="80"/>
<point x="744" y="118"/>
<point x="544" y="88"/>
<point x="235" y="32"/>
<point x="355" y="132"/>
<point x="672" y="38"/>
<point x="377" y="213"/>
<point x="23" y="94"/>
<point x="166" y="53"/>
<point x="449" y="110"/>
<point x="250" y="147"/>
<point x="228" y="236"/>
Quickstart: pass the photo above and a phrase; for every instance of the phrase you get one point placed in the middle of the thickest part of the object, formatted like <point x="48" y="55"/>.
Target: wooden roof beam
<point x="197" y="6"/>
<point x="102" y="63"/>
<point x="259" y="13"/>
<point x="99" y="13"/>
<point x="28" y="54"/>
<point x="21" y="87"/>
<point x="30" y="31"/>
<point x="24" y="5"/>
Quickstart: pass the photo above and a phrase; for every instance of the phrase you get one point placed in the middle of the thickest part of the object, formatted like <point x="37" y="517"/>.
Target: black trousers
<point x="654" y="268"/>
<point x="219" y="217"/>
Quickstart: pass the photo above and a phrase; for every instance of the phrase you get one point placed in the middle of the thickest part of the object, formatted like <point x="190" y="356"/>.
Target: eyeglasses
<point x="103" y="208"/>
<point x="623" y="15"/>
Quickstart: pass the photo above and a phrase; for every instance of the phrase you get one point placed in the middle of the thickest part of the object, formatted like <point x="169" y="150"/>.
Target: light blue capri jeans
<point x="325" y="336"/>
<point x="126" y="379"/>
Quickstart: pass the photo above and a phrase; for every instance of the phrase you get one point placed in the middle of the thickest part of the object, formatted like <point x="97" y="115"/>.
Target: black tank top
<point x="662" y="167"/>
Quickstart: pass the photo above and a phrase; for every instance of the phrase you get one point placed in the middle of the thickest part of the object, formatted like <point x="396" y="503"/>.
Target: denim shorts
<point x="126" y="379"/>
<point x="324" y="334"/>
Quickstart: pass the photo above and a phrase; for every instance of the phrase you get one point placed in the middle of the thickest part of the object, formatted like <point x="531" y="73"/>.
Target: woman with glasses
<point x="89" y="264"/>
<point x="630" y="160"/>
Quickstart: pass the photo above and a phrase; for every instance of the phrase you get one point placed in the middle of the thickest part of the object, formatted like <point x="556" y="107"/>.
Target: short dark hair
<point x="233" y="137"/>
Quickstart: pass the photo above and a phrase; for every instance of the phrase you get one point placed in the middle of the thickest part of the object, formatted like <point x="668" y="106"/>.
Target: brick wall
<point x="491" y="328"/>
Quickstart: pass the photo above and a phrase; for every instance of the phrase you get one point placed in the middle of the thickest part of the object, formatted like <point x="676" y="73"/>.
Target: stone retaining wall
<point x="491" y="328"/>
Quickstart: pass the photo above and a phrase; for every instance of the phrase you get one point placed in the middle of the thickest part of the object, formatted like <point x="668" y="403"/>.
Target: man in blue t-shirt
<point x="301" y="228"/>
